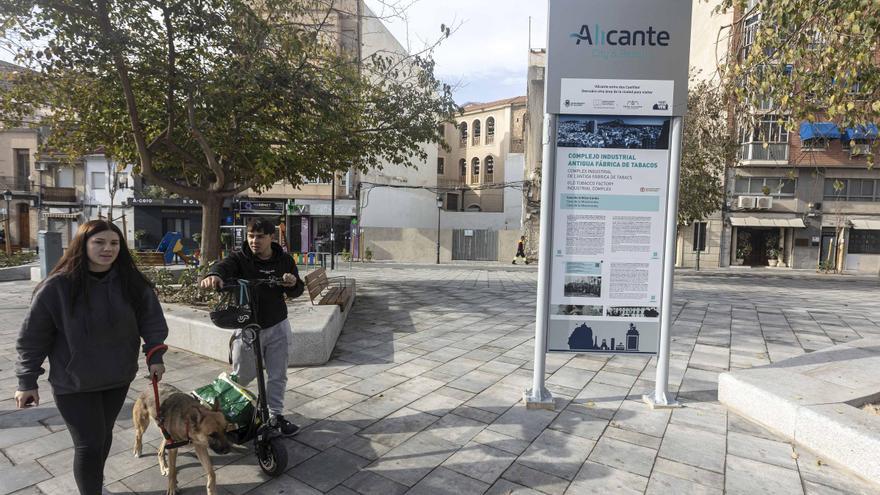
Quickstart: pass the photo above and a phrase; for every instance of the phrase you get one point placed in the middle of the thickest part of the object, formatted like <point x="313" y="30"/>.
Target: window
<point x="852" y="189"/>
<point x="181" y="225"/>
<point x="771" y="186"/>
<point x="815" y="144"/>
<point x="64" y="177"/>
<point x="699" y="243"/>
<point x="462" y="168"/>
<point x="767" y="141"/>
<point x="490" y="130"/>
<point x="750" y="31"/>
<point x="864" y="241"/>
<point x="475" y="170"/>
<point x="99" y="181"/>
<point x="441" y="165"/>
<point x="462" y="134"/>
<point x="121" y="180"/>
<point x="477" y="131"/>
<point x="490" y="169"/>
<point x="22" y="163"/>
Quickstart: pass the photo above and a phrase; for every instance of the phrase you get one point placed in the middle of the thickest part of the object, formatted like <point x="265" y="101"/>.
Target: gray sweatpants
<point x="273" y="341"/>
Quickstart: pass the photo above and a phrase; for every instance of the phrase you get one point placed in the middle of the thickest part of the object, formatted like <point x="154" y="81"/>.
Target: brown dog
<point x="184" y="419"/>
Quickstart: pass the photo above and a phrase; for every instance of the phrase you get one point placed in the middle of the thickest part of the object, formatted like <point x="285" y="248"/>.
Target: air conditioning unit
<point x="764" y="202"/>
<point x="745" y="202"/>
<point x="860" y="150"/>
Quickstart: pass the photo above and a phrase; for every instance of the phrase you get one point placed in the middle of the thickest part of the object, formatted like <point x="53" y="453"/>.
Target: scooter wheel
<point x="273" y="457"/>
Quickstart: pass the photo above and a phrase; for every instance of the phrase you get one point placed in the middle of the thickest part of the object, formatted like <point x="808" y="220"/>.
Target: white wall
<point x="99" y="194"/>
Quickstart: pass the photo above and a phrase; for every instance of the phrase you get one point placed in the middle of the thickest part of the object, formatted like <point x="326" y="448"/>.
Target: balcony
<point x="15" y="184"/>
<point x="756" y="152"/>
<point x="450" y="183"/>
<point x="59" y="194"/>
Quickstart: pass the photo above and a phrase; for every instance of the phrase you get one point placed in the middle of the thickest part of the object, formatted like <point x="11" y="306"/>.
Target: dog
<point x="184" y="419"/>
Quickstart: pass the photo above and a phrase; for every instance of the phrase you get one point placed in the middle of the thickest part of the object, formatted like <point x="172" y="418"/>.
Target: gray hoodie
<point x="90" y="347"/>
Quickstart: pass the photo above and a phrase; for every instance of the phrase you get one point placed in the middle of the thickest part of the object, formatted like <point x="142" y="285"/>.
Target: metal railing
<point x="15" y="184"/>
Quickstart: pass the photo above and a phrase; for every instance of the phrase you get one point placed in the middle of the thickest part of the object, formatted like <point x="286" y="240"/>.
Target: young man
<point x="259" y="257"/>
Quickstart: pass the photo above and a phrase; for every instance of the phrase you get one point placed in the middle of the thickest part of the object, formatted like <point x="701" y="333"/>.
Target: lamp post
<point x="439" y="209"/>
<point x="7" y="195"/>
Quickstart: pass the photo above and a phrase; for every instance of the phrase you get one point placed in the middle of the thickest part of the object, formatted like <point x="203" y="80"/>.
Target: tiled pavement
<point x="423" y="397"/>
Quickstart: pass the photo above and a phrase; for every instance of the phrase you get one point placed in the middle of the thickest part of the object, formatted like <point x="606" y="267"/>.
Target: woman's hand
<point x="27" y="398"/>
<point x="158" y="370"/>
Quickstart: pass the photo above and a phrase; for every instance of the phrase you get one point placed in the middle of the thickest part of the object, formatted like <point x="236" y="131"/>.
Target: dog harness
<point x="169" y="441"/>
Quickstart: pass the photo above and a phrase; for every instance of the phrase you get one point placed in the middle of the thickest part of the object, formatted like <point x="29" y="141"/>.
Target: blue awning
<point x="861" y="132"/>
<point x="827" y="130"/>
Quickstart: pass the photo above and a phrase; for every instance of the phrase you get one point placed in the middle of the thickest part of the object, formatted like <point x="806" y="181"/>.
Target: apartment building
<point x="804" y="198"/>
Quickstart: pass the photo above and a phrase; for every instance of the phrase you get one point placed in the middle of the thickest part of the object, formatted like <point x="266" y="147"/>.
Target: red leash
<point x="169" y="442"/>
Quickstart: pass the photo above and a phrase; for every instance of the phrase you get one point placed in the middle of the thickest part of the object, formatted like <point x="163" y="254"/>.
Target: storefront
<point x="764" y="239"/>
<point x="153" y="218"/>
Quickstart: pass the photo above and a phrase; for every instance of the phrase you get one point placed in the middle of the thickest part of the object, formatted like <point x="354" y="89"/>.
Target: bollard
<point x="50" y="251"/>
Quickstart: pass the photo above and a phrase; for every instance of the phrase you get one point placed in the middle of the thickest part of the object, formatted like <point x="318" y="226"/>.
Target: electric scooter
<point x="268" y="440"/>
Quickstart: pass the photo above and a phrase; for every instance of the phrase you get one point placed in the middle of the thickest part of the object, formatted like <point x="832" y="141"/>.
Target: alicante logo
<point x="620" y="37"/>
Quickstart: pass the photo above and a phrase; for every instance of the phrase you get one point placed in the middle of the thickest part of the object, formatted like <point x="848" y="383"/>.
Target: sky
<point x="486" y="56"/>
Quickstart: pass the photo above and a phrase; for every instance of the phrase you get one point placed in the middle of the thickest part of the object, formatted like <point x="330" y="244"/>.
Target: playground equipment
<point x="172" y="245"/>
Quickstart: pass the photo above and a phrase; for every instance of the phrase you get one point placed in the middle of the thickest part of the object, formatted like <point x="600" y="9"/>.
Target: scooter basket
<point x="232" y="312"/>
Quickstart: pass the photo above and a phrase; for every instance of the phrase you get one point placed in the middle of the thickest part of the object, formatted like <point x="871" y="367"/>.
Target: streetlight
<point x="439" y="209"/>
<point x="7" y="195"/>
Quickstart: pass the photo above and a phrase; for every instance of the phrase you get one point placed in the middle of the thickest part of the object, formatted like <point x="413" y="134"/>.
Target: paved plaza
<point x="423" y="396"/>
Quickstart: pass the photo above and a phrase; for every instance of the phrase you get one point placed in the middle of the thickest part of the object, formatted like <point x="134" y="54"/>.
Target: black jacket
<point x="90" y="347"/>
<point x="244" y="263"/>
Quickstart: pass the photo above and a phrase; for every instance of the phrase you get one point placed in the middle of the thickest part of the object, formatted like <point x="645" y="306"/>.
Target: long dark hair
<point x="74" y="265"/>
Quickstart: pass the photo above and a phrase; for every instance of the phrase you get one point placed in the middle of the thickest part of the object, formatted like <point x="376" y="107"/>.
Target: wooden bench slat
<point x="321" y="291"/>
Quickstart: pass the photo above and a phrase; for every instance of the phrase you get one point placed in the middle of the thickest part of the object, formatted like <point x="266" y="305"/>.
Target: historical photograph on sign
<point x="578" y="310"/>
<point x="583" y="268"/>
<point x="603" y="336"/>
<point x="588" y="131"/>
<point x="580" y="286"/>
<point x="632" y="311"/>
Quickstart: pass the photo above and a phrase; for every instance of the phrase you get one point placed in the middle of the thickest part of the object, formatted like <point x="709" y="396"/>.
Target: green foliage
<point x="368" y="254"/>
<point x="16" y="258"/>
<point x="811" y="60"/>
<point x="186" y="289"/>
<point x="346" y="255"/>
<point x="209" y="99"/>
<point x="707" y="147"/>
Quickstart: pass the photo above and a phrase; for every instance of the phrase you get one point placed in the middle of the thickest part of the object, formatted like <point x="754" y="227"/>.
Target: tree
<point x="707" y="148"/>
<point x="810" y="59"/>
<point x="213" y="97"/>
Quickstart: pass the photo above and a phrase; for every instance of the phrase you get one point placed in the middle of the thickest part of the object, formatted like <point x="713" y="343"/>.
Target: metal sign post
<point x="615" y="92"/>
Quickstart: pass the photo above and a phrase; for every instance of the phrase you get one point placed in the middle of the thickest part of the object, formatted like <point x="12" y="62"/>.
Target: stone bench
<point x="314" y="330"/>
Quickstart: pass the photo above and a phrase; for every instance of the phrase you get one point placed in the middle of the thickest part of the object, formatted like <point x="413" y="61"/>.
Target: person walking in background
<point x="89" y="317"/>
<point x="521" y="250"/>
<point x="259" y="257"/>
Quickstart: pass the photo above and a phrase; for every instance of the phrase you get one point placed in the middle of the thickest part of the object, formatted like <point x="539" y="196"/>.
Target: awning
<point x="865" y="224"/>
<point x="827" y="130"/>
<point x="755" y="221"/>
<point x="861" y="132"/>
<point x="73" y="216"/>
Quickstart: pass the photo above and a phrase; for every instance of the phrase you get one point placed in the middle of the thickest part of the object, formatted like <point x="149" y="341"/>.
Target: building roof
<point x="477" y="107"/>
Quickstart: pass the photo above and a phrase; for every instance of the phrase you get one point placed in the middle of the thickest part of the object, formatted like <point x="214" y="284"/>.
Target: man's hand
<point x="211" y="282"/>
<point x="288" y="280"/>
<point x="27" y="398"/>
<point x="158" y="370"/>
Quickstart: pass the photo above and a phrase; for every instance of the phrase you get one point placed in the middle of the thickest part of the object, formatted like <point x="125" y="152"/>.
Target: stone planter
<point x="772" y="262"/>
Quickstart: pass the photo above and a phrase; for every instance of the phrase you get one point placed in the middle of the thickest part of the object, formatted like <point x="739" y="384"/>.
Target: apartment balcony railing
<point x="450" y="183"/>
<point x="60" y="194"/>
<point x="476" y="140"/>
<point x="774" y="152"/>
<point x="15" y="184"/>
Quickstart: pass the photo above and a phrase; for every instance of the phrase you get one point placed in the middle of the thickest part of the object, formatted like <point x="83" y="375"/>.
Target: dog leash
<point x="169" y="442"/>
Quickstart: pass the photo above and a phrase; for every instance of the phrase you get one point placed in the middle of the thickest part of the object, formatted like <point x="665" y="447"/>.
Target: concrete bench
<point x="314" y="331"/>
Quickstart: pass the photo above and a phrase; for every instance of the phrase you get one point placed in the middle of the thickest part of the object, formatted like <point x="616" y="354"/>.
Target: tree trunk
<point x="211" y="210"/>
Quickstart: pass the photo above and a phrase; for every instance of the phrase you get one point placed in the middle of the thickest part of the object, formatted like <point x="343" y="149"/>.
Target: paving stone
<point x="638" y="417"/>
<point x="581" y="424"/>
<point x="557" y="453"/>
<point x="480" y="462"/>
<point x="688" y="473"/>
<point x="329" y="468"/>
<point x="326" y="433"/>
<point x="625" y="456"/>
<point x="501" y="442"/>
<point x="475" y="381"/>
<point x="695" y="447"/>
<point x="522" y="423"/>
<point x="504" y="487"/>
<point x="376" y="384"/>
<point x="436" y="404"/>
<point x="13" y="478"/>
<point x="456" y="429"/>
<point x="398" y="427"/>
<point x="761" y="450"/>
<point x="369" y="483"/>
<point x="633" y="437"/>
<point x="368" y="449"/>
<point x="745" y="476"/>
<point x="538" y="480"/>
<point x="662" y="484"/>
<point x="284" y="485"/>
<point x="597" y="478"/>
<point x="414" y="459"/>
<point x="443" y="481"/>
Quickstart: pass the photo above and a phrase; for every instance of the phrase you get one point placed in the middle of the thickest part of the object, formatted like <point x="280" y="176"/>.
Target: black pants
<point x="90" y="417"/>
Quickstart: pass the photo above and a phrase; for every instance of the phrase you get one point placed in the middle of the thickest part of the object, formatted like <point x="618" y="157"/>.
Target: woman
<point x="88" y="317"/>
